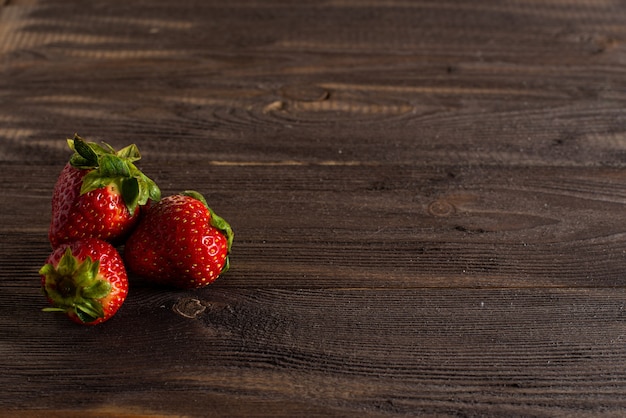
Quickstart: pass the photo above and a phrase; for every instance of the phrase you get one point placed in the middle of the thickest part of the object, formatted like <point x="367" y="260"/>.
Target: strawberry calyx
<point x="217" y="222"/>
<point x="75" y="287"/>
<point x="110" y="167"/>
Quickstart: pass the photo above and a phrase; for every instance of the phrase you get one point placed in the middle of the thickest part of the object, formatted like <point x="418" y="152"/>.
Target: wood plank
<point x="324" y="351"/>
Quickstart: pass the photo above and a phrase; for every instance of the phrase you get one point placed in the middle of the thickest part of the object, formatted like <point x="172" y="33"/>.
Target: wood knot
<point x="188" y="307"/>
<point x="274" y="106"/>
<point x="441" y="208"/>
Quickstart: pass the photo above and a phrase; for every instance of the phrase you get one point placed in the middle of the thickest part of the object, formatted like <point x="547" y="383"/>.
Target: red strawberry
<point x="86" y="280"/>
<point x="98" y="193"/>
<point x="180" y="242"/>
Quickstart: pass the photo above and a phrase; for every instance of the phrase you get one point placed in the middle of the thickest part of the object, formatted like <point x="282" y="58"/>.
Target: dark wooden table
<point x="429" y="200"/>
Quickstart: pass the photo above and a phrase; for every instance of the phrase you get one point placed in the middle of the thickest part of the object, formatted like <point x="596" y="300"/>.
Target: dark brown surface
<point x="428" y="200"/>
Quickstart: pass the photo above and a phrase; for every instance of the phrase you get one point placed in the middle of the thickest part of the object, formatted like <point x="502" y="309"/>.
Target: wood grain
<point x="428" y="200"/>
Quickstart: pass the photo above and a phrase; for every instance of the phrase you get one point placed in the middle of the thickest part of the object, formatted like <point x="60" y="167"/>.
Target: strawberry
<point x="180" y="242"/>
<point x="86" y="280"/>
<point x="98" y="193"/>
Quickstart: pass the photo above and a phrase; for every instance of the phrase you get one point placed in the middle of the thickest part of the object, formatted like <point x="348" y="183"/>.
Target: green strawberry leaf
<point x="97" y="290"/>
<point x="47" y="269"/>
<point x="129" y="153"/>
<point x="68" y="264"/>
<point x="78" y="161"/>
<point x="154" y="193"/>
<point x="131" y="193"/>
<point x="113" y="166"/>
<point x="144" y="191"/>
<point x="51" y="309"/>
<point x="89" y="312"/>
<point x="84" y="150"/>
<point x="93" y="180"/>
<point x="85" y="272"/>
<point x="106" y="149"/>
<point x="144" y="185"/>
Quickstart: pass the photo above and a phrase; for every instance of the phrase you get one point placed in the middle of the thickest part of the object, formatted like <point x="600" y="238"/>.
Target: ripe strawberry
<point x="98" y="193"/>
<point x="86" y="280"/>
<point x="180" y="242"/>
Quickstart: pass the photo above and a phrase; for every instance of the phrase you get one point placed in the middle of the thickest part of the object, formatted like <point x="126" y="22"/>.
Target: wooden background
<point x="429" y="200"/>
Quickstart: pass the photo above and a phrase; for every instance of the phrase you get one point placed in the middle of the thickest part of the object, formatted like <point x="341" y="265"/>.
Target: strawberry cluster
<point x="101" y="201"/>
